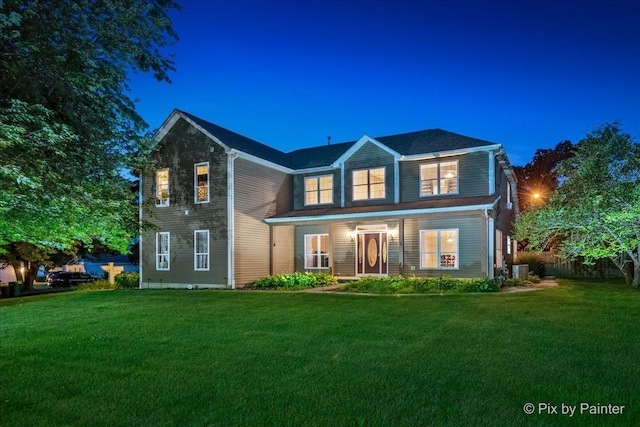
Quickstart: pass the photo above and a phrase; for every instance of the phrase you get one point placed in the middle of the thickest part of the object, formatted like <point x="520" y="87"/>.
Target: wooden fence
<point x="558" y="267"/>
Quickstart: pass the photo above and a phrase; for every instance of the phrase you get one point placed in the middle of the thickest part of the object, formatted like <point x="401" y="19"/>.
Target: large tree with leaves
<point x="67" y="124"/>
<point x="596" y="210"/>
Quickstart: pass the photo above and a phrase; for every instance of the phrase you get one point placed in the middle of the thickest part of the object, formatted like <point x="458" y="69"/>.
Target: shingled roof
<point x="407" y="144"/>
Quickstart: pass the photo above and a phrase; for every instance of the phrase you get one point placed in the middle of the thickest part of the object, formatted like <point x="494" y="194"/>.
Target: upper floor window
<point x="316" y="251"/>
<point x="318" y="190"/>
<point x="162" y="250"/>
<point x="439" y="178"/>
<point x="201" y="173"/>
<point x="509" y="199"/>
<point x="162" y="187"/>
<point x="439" y="249"/>
<point x="369" y="184"/>
<point x="201" y="250"/>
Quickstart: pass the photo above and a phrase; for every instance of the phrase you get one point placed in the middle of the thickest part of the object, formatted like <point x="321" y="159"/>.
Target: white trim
<point x="319" y="255"/>
<point x="342" y="185"/>
<point x="438" y="166"/>
<point x="262" y="162"/>
<point x="195" y="250"/>
<point x="167" y="125"/>
<point x="362" y="141"/>
<point x="438" y="249"/>
<point x="400" y="212"/>
<point x="396" y="181"/>
<point x="491" y="250"/>
<point x="384" y="183"/>
<point x="319" y="169"/>
<point x="231" y="156"/>
<point x="317" y="178"/>
<point x="195" y="183"/>
<point x="168" y="234"/>
<point x="492" y="173"/>
<point x="448" y="153"/>
<point x="166" y="202"/>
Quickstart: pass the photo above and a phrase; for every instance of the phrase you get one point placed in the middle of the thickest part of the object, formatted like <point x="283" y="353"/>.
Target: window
<point x="162" y="187"/>
<point x="201" y="173"/>
<point x="316" y="251"/>
<point x="162" y="250"/>
<point x="318" y="190"/>
<point x="509" y="200"/>
<point x="509" y="245"/>
<point x="439" y="178"/>
<point x="368" y="184"/>
<point x="439" y="249"/>
<point x="201" y="250"/>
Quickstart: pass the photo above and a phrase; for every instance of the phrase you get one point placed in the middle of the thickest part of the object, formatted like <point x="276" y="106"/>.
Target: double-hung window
<point x="201" y="250"/>
<point x="201" y="178"/>
<point x="316" y="251"/>
<point x="318" y="190"/>
<point x="369" y="184"/>
<point x="163" y="247"/>
<point x="439" y="178"/>
<point x="162" y="187"/>
<point x="439" y="249"/>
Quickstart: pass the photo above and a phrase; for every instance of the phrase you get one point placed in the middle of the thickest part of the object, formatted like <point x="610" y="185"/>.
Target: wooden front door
<point x="372" y="253"/>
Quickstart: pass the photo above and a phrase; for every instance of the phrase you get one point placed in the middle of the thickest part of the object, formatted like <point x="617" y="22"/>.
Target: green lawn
<point x="198" y="358"/>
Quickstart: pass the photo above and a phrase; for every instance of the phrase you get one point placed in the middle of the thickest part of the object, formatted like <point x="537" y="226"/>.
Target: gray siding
<point x="344" y="250"/>
<point x="505" y="217"/>
<point x="299" y="194"/>
<point x="178" y="151"/>
<point x="473" y="177"/>
<point x="472" y="240"/>
<point x="369" y="156"/>
<point x="259" y="192"/>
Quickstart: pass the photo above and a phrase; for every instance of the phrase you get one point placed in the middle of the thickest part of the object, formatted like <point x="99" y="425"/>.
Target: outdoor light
<point x="352" y="235"/>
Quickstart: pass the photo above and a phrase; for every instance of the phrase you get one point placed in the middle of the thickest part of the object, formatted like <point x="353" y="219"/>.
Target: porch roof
<point x="406" y="208"/>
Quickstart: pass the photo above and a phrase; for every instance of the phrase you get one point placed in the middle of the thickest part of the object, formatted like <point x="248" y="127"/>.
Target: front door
<point x="372" y="253"/>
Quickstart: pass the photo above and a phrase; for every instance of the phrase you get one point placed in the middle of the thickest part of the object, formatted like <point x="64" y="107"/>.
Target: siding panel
<point x="259" y="192"/>
<point x="179" y="150"/>
<point x="369" y="156"/>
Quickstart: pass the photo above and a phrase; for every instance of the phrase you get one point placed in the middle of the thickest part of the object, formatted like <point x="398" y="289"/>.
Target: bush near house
<point x="127" y="280"/>
<point x="534" y="261"/>
<point x="95" y="285"/>
<point x="296" y="281"/>
<point x="418" y="285"/>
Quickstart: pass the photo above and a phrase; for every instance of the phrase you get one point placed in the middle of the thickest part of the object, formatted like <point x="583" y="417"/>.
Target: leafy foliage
<point x="534" y="261"/>
<point x="67" y="125"/>
<point x="596" y="210"/>
<point x="127" y="280"/>
<point x="95" y="285"/>
<point x="413" y="285"/>
<point x="296" y="281"/>
<point x="540" y="175"/>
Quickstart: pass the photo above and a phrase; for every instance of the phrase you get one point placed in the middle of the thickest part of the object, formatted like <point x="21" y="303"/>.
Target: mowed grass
<point x="199" y="358"/>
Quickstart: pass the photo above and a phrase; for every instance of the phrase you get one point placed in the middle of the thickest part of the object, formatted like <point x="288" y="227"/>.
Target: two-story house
<point x="227" y="210"/>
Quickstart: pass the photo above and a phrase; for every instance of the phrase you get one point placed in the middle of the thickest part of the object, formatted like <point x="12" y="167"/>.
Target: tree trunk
<point x="635" y="279"/>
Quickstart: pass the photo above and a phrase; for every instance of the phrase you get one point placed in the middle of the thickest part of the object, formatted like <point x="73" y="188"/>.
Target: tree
<point x="539" y="176"/>
<point x="67" y="125"/>
<point x="596" y="209"/>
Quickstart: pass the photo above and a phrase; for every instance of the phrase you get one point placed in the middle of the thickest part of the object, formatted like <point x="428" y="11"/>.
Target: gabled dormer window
<point x="369" y="184"/>
<point x="162" y="187"/>
<point x="318" y="190"/>
<point x="201" y="173"/>
<point x="439" y="178"/>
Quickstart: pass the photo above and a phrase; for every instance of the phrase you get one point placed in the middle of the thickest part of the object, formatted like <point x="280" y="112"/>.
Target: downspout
<point x="490" y="245"/>
<point x="231" y="156"/>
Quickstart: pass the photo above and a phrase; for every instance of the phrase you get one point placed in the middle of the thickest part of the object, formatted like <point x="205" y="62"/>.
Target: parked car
<point x="67" y="278"/>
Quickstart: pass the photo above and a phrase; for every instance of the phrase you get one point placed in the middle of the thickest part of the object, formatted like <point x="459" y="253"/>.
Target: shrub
<point x="95" y="285"/>
<point x="534" y="261"/>
<point x="413" y="285"/>
<point x="296" y="281"/>
<point x="127" y="280"/>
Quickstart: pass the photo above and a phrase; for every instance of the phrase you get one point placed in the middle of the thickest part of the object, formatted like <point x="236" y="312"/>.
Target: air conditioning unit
<point x="520" y="271"/>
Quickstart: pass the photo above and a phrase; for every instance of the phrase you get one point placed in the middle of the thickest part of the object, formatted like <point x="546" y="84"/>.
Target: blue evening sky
<point x="526" y="74"/>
